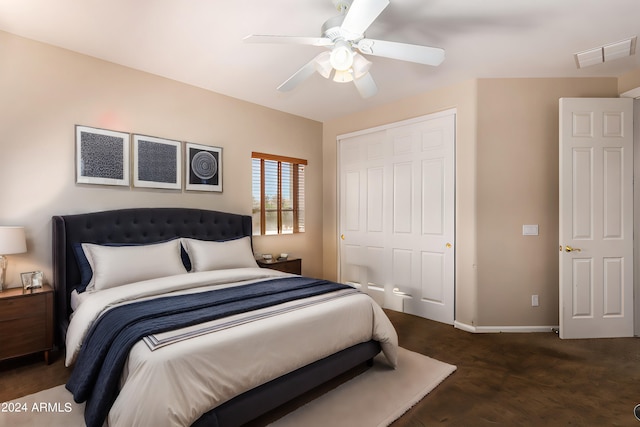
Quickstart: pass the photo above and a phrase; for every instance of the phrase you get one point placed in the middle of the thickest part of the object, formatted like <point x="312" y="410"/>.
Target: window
<point x="278" y="194"/>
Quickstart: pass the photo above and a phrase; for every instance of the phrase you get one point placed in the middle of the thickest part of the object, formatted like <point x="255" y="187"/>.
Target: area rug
<point x="377" y="397"/>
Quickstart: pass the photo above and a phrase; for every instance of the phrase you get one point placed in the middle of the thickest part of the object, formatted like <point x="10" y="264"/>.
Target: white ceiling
<point x="199" y="42"/>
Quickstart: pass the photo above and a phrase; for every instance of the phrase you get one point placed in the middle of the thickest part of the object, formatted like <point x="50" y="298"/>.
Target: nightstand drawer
<point x="26" y="322"/>
<point x="26" y="306"/>
<point x="24" y="336"/>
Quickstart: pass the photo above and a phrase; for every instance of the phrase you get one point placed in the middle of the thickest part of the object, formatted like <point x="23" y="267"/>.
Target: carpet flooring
<point x="523" y="379"/>
<point x="502" y="379"/>
<point x="376" y="397"/>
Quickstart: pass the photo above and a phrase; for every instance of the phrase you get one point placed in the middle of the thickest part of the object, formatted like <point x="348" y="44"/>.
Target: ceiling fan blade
<point x="299" y="76"/>
<point x="361" y="15"/>
<point x="313" y="41"/>
<point x="402" y="51"/>
<point x="366" y="86"/>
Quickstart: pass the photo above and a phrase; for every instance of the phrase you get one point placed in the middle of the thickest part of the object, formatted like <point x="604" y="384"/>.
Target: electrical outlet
<point x="534" y="300"/>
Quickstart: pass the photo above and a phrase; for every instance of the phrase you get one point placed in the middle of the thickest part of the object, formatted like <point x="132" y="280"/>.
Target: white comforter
<point x="174" y="385"/>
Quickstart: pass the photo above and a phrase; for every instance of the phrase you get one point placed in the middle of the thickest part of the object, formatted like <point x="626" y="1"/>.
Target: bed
<point x="220" y="375"/>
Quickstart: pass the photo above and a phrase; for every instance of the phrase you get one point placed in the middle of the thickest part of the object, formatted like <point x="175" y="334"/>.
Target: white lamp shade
<point x="12" y="240"/>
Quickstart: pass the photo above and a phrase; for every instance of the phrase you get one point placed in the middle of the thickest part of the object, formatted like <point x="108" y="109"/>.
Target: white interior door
<point x="596" y="217"/>
<point x="397" y="202"/>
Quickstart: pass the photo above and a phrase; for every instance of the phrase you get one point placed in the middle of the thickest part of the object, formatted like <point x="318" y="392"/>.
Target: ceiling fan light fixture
<point x="344" y="37"/>
<point x="341" y="76"/>
<point x="361" y="66"/>
<point x="341" y="56"/>
<point x="323" y="64"/>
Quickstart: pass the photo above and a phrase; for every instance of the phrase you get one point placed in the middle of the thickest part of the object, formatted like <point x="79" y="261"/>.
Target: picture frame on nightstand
<point x="32" y="280"/>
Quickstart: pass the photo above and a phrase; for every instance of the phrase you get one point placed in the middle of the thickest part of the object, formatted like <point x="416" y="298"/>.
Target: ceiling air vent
<point x="606" y="53"/>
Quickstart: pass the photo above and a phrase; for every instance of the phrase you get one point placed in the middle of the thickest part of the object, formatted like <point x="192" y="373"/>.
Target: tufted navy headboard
<point x="138" y="225"/>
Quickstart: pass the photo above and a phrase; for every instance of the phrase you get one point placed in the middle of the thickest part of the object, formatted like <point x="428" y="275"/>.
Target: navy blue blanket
<point x="99" y="364"/>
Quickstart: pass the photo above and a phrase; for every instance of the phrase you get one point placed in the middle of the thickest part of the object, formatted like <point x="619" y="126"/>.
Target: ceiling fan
<point x="343" y="35"/>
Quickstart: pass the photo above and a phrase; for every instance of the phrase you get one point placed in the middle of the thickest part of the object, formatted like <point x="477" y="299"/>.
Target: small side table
<point x="289" y="265"/>
<point x="26" y="322"/>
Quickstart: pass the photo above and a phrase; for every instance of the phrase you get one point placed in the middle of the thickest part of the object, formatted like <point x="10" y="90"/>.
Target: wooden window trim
<point x="276" y="158"/>
<point x="295" y="176"/>
<point x="263" y="213"/>
<point x="279" y="200"/>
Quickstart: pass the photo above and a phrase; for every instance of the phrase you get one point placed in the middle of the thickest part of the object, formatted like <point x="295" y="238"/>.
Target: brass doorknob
<point x="342" y="236"/>
<point x="570" y="249"/>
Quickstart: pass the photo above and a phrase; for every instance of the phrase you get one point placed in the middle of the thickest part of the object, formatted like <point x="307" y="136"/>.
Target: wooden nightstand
<point x="289" y="265"/>
<point x="26" y="322"/>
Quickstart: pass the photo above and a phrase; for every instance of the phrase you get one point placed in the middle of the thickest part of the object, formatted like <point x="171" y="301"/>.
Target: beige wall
<point x="45" y="91"/>
<point x="629" y="81"/>
<point x="506" y="176"/>
<point x="506" y="165"/>
<point x="463" y="98"/>
<point x="517" y="163"/>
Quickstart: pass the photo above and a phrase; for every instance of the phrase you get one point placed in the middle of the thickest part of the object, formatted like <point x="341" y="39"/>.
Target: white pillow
<point x="208" y="255"/>
<point x="118" y="265"/>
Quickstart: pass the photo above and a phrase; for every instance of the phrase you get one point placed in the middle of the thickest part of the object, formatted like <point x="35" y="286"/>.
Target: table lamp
<point x="12" y="241"/>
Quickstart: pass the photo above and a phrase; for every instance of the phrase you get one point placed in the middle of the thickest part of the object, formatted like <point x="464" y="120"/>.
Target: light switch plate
<point x="530" y="230"/>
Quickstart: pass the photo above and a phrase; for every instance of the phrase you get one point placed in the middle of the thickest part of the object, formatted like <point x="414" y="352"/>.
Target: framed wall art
<point x="102" y="156"/>
<point x="203" y="168"/>
<point x="157" y="162"/>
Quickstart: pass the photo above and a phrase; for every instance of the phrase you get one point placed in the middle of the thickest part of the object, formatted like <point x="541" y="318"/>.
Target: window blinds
<point x="278" y="194"/>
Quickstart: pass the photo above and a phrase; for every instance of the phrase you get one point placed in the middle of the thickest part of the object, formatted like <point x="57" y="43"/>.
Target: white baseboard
<point x="464" y="326"/>
<point x="500" y="329"/>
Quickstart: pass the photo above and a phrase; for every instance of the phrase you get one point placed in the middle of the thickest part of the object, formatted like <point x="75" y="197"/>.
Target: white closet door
<point x="397" y="201"/>
<point x="596" y="217"/>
